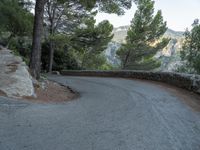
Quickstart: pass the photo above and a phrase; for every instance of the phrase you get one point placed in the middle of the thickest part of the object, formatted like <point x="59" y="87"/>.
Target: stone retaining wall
<point x="187" y="81"/>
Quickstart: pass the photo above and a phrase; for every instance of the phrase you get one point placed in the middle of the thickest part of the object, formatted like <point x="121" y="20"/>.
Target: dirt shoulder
<point x="50" y="91"/>
<point x="187" y="97"/>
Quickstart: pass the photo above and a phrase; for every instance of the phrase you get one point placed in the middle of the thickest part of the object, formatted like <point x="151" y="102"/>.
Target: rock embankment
<point x="15" y="80"/>
<point x="187" y="81"/>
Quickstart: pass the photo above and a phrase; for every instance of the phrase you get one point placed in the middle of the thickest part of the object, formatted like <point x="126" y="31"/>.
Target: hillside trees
<point x="143" y="38"/>
<point x="81" y="48"/>
<point x="113" y="6"/>
<point x="90" y="41"/>
<point x="16" y="20"/>
<point x="62" y="18"/>
<point x="191" y="49"/>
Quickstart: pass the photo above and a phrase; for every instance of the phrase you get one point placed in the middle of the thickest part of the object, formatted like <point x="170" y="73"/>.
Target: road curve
<point x="110" y="114"/>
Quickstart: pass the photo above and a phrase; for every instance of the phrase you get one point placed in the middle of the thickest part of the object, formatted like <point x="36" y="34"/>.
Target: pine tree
<point x="90" y="41"/>
<point x="15" y="19"/>
<point x="143" y="39"/>
<point x="58" y="18"/>
<point x="191" y="49"/>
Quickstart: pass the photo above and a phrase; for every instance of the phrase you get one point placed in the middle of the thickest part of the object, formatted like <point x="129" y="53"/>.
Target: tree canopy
<point x="15" y="18"/>
<point x="143" y="38"/>
<point x="91" y="40"/>
<point x="191" y="48"/>
<point x="112" y="6"/>
<point x="62" y="18"/>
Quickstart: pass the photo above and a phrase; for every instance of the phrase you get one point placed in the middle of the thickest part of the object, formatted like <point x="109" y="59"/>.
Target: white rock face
<point x="15" y="80"/>
<point x="111" y="55"/>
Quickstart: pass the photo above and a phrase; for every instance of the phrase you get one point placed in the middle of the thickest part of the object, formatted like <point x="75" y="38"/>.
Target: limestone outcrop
<point x="15" y="80"/>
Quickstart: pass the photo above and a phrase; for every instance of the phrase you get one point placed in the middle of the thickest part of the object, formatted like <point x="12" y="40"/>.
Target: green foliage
<point x="111" y="6"/>
<point x="89" y="42"/>
<point x="143" y="38"/>
<point x="15" y="19"/>
<point x="82" y="48"/>
<point x="16" y="27"/>
<point x="63" y="58"/>
<point x="21" y="46"/>
<point x="79" y="44"/>
<point x="94" y="61"/>
<point x="191" y="49"/>
<point x="62" y="17"/>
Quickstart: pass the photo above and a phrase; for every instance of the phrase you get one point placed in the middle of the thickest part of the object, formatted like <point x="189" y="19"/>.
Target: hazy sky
<point x="179" y="14"/>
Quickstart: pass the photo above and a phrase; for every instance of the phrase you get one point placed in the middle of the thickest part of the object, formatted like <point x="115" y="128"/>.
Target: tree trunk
<point x="126" y="60"/>
<point x="51" y="47"/>
<point x="83" y="61"/>
<point x="35" y="60"/>
<point x="9" y="40"/>
<point x="51" y="56"/>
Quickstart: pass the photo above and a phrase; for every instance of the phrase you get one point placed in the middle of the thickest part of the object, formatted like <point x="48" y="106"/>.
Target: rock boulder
<point x="15" y="80"/>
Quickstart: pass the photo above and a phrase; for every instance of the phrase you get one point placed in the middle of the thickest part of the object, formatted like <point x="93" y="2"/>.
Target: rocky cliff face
<point x="111" y="53"/>
<point x="169" y="56"/>
<point x="15" y="80"/>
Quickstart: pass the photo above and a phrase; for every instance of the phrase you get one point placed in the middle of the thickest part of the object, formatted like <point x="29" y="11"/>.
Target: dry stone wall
<point x="190" y="82"/>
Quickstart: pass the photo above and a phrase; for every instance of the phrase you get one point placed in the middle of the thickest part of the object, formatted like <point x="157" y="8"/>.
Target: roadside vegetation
<point x="190" y="53"/>
<point x="144" y="38"/>
<point x="63" y="34"/>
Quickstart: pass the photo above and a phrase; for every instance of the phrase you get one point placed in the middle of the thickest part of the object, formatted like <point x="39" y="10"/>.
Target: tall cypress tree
<point x="143" y="39"/>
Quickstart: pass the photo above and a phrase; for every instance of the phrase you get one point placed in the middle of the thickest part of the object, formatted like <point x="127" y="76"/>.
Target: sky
<point x="179" y="14"/>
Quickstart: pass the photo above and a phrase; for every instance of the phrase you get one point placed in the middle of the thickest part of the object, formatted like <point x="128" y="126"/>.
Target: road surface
<point x="110" y="114"/>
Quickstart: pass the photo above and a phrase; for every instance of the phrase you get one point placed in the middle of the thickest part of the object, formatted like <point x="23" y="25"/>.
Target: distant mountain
<point x="121" y="32"/>
<point x="111" y="53"/>
<point x="174" y="34"/>
<point x="169" y="56"/>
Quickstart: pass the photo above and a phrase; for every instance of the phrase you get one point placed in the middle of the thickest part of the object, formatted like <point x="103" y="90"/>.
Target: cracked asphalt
<point x="110" y="114"/>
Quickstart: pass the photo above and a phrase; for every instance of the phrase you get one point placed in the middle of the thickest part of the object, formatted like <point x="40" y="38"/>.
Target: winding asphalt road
<point x="110" y="114"/>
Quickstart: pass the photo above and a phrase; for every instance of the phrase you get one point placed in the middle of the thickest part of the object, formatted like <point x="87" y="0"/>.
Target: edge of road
<point x="190" y="82"/>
